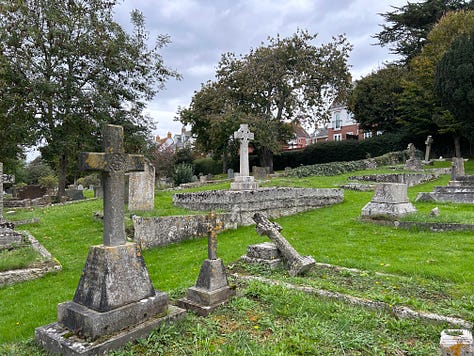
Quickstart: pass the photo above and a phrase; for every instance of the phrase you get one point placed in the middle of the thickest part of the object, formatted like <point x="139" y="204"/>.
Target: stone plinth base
<point x="456" y="342"/>
<point x="301" y="265"/>
<point x="211" y="290"/>
<point x="265" y="253"/>
<point x="88" y="322"/>
<point x="413" y="164"/>
<point x="244" y="183"/>
<point x="203" y="301"/>
<point x="460" y="190"/>
<point x="55" y="339"/>
<point x="390" y="199"/>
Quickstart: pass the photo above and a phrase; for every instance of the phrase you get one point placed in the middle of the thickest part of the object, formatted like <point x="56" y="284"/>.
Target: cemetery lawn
<point x="422" y="270"/>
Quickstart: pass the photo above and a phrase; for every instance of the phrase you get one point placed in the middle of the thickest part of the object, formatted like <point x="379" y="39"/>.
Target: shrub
<point x="92" y="179"/>
<point x="48" y="182"/>
<point x="207" y="166"/>
<point x="182" y="173"/>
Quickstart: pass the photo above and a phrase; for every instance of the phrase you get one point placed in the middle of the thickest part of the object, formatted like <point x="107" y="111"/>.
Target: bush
<point x="207" y="166"/>
<point x="182" y="173"/>
<point x="92" y="179"/>
<point x="48" y="182"/>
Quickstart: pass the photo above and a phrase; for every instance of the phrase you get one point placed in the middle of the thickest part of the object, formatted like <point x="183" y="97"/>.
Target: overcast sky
<point x="202" y="30"/>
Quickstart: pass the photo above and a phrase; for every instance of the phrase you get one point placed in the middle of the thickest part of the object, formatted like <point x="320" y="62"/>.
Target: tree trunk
<point x="62" y="175"/>
<point x="266" y="159"/>
<point x="457" y="146"/>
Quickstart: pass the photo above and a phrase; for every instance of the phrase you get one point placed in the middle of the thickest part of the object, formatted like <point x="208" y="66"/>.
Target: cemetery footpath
<point x="331" y="235"/>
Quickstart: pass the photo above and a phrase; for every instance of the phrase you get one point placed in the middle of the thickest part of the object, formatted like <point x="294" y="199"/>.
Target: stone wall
<point x="410" y="179"/>
<point x="164" y="230"/>
<point x="238" y="206"/>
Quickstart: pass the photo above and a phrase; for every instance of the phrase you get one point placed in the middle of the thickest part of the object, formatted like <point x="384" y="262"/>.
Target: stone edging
<point x="431" y="226"/>
<point x="19" y="275"/>
<point x="400" y="311"/>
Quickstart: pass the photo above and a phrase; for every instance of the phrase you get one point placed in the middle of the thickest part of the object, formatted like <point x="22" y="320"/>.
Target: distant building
<point x="301" y="139"/>
<point x="175" y="142"/>
<point x="342" y="125"/>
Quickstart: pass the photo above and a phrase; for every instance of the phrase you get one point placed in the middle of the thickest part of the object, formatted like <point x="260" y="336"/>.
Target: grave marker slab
<point x="141" y="193"/>
<point x="428" y="143"/>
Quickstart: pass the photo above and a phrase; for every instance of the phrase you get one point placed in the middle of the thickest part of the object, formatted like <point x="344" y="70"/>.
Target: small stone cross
<point x="428" y="142"/>
<point x="245" y="136"/>
<point x="113" y="163"/>
<point x="214" y="225"/>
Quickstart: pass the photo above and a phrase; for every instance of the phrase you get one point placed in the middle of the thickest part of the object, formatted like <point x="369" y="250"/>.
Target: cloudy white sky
<point x="201" y="30"/>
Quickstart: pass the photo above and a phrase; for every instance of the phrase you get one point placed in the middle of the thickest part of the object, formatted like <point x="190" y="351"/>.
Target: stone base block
<point x="203" y="302"/>
<point x="264" y="250"/>
<point x="244" y="183"/>
<point x="272" y="264"/>
<point x="93" y="324"/>
<point x="456" y="342"/>
<point x="387" y="209"/>
<point x="58" y="340"/>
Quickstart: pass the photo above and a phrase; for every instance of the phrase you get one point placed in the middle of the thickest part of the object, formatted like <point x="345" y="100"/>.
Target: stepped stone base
<point x="58" y="340"/>
<point x="265" y="253"/>
<point x="244" y="183"/>
<point x="211" y="290"/>
<point x="459" y="190"/>
<point x="390" y="199"/>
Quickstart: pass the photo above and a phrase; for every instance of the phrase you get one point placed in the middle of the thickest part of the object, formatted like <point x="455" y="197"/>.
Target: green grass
<point x="17" y="258"/>
<point x="427" y="271"/>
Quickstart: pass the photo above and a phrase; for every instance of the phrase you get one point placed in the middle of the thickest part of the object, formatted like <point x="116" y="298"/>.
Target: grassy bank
<point x="427" y="271"/>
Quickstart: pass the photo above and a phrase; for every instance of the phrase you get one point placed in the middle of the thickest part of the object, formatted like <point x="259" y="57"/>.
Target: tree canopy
<point x="374" y="99"/>
<point x="407" y="27"/>
<point x="74" y="69"/>
<point x="455" y="82"/>
<point x="287" y="80"/>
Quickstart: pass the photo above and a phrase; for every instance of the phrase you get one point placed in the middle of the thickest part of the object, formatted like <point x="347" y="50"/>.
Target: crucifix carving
<point x="113" y="163"/>
<point x="245" y="136"/>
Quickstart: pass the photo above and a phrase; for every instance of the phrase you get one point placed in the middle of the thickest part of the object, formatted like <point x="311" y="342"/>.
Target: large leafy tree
<point x="79" y="69"/>
<point x="455" y="83"/>
<point x="287" y="80"/>
<point x="421" y="107"/>
<point x="374" y="99"/>
<point x="407" y="27"/>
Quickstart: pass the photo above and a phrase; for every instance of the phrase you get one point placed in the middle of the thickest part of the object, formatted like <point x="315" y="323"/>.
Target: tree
<point x="374" y="99"/>
<point x="422" y="108"/>
<point x="408" y="26"/>
<point x="455" y="84"/>
<point x="79" y="69"/>
<point x="288" y="80"/>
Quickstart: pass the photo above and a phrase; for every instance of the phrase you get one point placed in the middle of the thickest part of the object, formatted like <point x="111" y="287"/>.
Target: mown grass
<point x="17" y="258"/>
<point x="431" y="272"/>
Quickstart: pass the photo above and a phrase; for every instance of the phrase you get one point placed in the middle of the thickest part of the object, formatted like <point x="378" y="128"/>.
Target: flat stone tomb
<point x="212" y="288"/>
<point x="244" y="181"/>
<point x="460" y="190"/>
<point x="390" y="199"/>
<point x="295" y="263"/>
<point x="115" y="300"/>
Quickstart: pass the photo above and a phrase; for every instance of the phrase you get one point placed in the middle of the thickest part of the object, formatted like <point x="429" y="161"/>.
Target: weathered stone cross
<point x="245" y="136"/>
<point x="428" y="142"/>
<point x="113" y="163"/>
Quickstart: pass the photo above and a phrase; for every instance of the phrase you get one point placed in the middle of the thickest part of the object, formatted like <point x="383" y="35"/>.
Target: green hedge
<point x="340" y="151"/>
<point x="207" y="166"/>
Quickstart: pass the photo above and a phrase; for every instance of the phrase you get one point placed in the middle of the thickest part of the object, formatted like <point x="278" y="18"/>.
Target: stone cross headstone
<point x="244" y="181"/>
<point x="244" y="135"/>
<point x="115" y="301"/>
<point x="428" y="142"/>
<point x="212" y="288"/>
<point x="412" y="163"/>
<point x="296" y="263"/>
<point x="113" y="163"/>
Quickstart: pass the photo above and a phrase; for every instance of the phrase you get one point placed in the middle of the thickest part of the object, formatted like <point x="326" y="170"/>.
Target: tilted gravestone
<point x="412" y="163"/>
<point x="141" y="192"/>
<point x="295" y="263"/>
<point x="212" y="288"/>
<point x="244" y="181"/>
<point x="115" y="299"/>
<point x="428" y="143"/>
